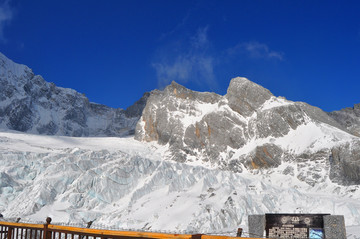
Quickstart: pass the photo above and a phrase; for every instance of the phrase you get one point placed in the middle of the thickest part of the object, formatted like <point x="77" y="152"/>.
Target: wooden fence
<point x="12" y="230"/>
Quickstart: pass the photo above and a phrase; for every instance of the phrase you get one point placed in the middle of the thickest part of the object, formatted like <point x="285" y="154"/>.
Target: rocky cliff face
<point x="30" y="104"/>
<point x="348" y="118"/>
<point x="248" y="128"/>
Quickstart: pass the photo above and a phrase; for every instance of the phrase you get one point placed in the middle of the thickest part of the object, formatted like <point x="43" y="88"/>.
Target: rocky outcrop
<point x="348" y="118"/>
<point x="245" y="97"/>
<point x="345" y="164"/>
<point x="30" y="104"/>
<point x="245" y="129"/>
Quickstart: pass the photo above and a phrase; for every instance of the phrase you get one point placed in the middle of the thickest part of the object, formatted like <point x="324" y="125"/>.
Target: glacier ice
<point x="130" y="187"/>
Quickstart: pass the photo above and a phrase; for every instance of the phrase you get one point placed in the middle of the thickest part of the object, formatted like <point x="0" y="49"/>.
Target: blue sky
<point x="114" y="51"/>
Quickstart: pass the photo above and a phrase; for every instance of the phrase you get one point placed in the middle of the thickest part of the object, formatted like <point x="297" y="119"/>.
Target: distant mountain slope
<point x="249" y="128"/>
<point x="30" y="104"/>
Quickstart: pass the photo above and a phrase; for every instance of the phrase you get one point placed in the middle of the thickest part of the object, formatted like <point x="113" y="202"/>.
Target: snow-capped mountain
<point x="250" y="128"/>
<point x="30" y="104"/>
<point x="199" y="162"/>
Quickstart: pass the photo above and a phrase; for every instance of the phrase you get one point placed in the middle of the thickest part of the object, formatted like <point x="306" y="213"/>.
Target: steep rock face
<point x="349" y="118"/>
<point x="245" y="97"/>
<point x="30" y="104"/>
<point x="247" y="128"/>
<point x="345" y="166"/>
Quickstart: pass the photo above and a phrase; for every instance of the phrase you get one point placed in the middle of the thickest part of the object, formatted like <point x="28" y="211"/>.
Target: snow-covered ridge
<point x="30" y="104"/>
<point x="12" y="68"/>
<point x="275" y="102"/>
<point x="308" y="138"/>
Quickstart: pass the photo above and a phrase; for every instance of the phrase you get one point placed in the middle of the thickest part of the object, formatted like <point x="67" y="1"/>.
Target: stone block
<point x="256" y="225"/>
<point x="334" y="227"/>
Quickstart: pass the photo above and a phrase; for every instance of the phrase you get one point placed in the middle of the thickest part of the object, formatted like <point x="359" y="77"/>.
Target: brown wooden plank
<point x="10" y="233"/>
<point x="23" y="225"/>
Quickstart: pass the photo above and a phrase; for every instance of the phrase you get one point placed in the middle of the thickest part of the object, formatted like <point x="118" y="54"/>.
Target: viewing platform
<point x="16" y="230"/>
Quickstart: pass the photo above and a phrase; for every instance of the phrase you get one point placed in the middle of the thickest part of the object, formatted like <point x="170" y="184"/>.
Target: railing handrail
<point x="101" y="232"/>
<point x="22" y="225"/>
<point x="107" y="233"/>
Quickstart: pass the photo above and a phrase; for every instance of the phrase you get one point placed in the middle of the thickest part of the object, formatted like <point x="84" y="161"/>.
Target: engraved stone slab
<point x="256" y="225"/>
<point x="334" y="227"/>
<point x="297" y="226"/>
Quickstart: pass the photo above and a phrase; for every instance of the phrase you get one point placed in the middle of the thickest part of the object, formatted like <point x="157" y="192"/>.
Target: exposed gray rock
<point x="20" y="116"/>
<point x="160" y="122"/>
<point x="348" y="118"/>
<point x="345" y="164"/>
<point x="136" y="109"/>
<point x="30" y="104"/>
<point x="245" y="97"/>
<point x="265" y="156"/>
<point x="212" y="128"/>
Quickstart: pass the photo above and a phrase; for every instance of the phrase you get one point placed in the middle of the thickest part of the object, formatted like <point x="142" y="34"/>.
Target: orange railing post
<point x="47" y="233"/>
<point x="239" y="232"/>
<point x="196" y="236"/>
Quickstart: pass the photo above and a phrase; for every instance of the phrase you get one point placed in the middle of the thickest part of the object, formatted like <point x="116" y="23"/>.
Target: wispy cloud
<point x="180" y="25"/>
<point x="256" y="50"/>
<point x="6" y="14"/>
<point x="192" y="62"/>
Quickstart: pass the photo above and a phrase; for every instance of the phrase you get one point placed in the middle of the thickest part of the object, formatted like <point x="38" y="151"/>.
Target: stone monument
<point x="297" y="226"/>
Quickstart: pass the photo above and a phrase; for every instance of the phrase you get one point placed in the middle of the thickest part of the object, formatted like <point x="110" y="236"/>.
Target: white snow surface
<point x="310" y="137"/>
<point x="15" y="69"/>
<point x="275" y="102"/>
<point x="128" y="185"/>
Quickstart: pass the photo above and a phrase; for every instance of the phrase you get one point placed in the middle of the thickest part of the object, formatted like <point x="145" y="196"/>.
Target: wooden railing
<point x="13" y="230"/>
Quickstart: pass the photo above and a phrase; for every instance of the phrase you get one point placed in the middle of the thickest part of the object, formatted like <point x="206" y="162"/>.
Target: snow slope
<point x="126" y="184"/>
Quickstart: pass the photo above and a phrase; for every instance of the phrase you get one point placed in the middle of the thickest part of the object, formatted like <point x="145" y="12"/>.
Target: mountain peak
<point x="246" y="96"/>
<point x="30" y="104"/>
<point x="179" y="91"/>
<point x="11" y="71"/>
<point x="248" y="128"/>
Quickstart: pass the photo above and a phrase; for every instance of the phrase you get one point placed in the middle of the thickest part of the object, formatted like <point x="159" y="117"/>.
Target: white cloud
<point x="200" y="40"/>
<point x="194" y="59"/>
<point x="6" y="15"/>
<point x="193" y="62"/>
<point x="256" y="50"/>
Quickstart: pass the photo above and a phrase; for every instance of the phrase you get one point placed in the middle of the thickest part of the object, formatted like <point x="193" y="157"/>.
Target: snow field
<point x="125" y="183"/>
